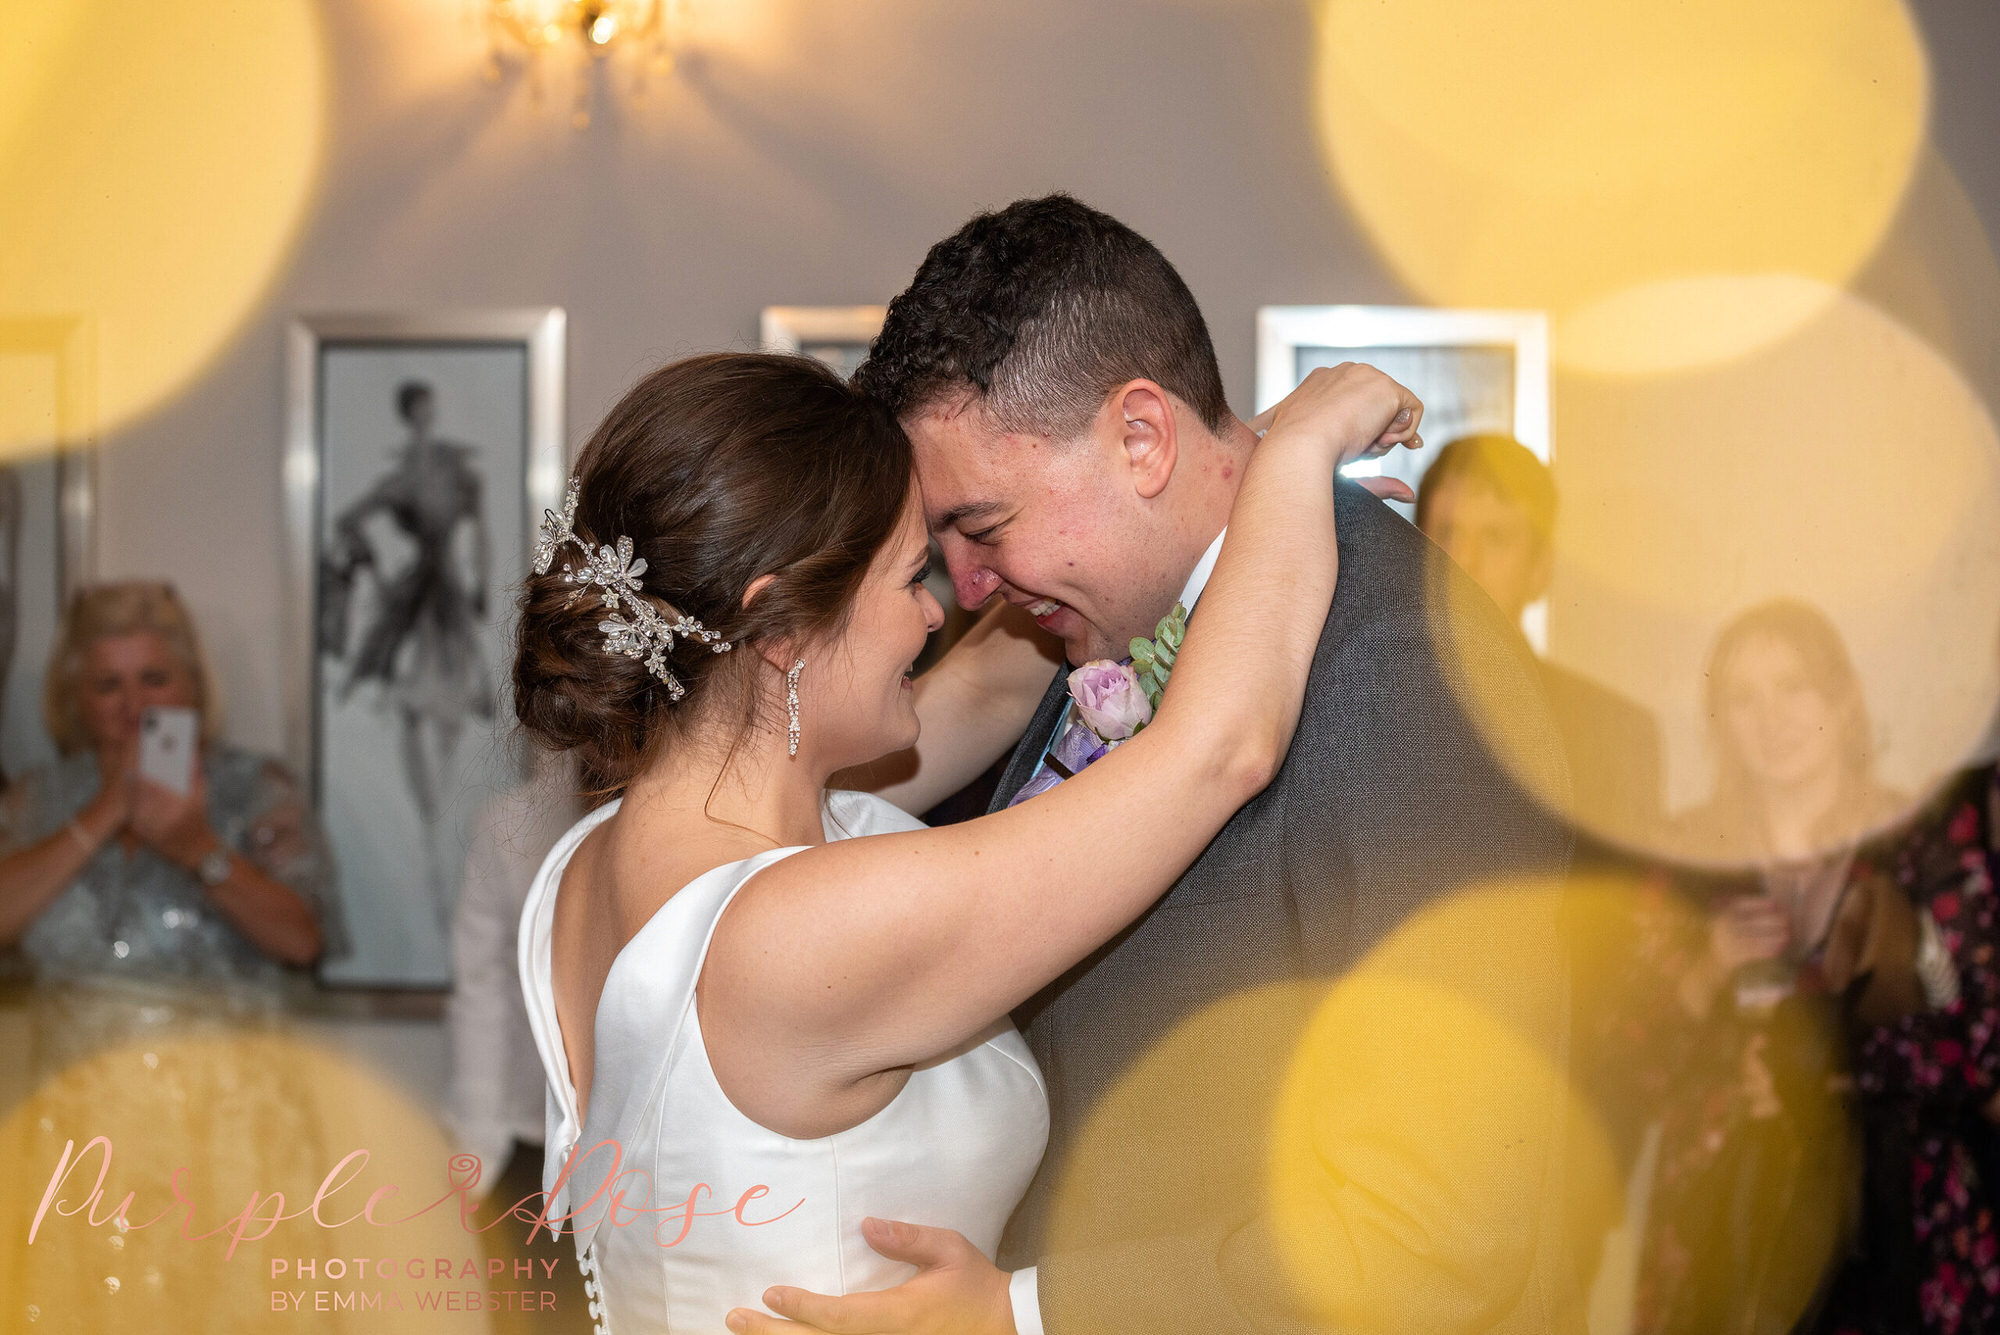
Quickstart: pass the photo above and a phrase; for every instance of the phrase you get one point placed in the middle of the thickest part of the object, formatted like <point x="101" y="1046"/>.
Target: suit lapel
<point x="1028" y="753"/>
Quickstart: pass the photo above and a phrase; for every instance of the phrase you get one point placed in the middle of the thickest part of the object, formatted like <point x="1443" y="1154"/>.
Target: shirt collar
<point x="1202" y="570"/>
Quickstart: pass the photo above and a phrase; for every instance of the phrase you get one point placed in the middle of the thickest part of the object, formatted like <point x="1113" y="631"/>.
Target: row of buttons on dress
<point x="587" y="1264"/>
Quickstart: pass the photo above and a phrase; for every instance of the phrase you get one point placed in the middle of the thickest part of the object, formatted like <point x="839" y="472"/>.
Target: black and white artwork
<point x="425" y="453"/>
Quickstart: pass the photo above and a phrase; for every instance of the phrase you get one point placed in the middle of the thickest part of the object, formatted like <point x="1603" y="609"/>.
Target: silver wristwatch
<point x="213" y="869"/>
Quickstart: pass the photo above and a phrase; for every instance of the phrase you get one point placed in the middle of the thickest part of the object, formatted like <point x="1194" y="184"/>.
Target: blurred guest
<point x="1794" y="767"/>
<point x="160" y="928"/>
<point x="496" y="1102"/>
<point x="110" y="880"/>
<point x="496" y="1099"/>
<point x="1491" y="504"/>
<point x="1837" y="1002"/>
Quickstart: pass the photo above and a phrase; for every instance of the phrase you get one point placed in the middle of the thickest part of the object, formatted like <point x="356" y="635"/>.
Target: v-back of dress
<point x="684" y="1207"/>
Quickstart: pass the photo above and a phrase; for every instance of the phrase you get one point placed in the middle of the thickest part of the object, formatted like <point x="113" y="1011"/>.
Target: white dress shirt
<point x="1023" y="1289"/>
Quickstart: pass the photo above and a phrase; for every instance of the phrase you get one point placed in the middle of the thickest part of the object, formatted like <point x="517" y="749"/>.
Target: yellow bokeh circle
<point x="157" y="162"/>
<point x="1552" y="154"/>
<point x="240" y="1117"/>
<point x="1398" y="1148"/>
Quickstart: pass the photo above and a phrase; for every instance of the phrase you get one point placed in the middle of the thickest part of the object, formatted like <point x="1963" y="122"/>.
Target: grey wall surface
<point x="811" y="162"/>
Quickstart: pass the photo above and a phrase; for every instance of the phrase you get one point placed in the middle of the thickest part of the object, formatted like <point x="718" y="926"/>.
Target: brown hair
<point x="124" y="608"/>
<point x="1730" y="819"/>
<point x="721" y="469"/>
<point x="1505" y="464"/>
<point x="1807" y="632"/>
<point x="1040" y="310"/>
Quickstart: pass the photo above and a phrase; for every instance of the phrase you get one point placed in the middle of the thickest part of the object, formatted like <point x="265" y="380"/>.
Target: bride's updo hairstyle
<point x="720" y="468"/>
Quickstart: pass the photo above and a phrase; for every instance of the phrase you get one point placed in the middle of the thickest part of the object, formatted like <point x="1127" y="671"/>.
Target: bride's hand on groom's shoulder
<point x="1361" y="411"/>
<point x="956" y="1290"/>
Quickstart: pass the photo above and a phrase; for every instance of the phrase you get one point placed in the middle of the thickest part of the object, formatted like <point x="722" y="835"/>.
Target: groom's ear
<point x="1142" y="421"/>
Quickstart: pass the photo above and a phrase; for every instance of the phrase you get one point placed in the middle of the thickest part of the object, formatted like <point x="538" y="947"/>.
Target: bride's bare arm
<point x="865" y="955"/>
<point x="973" y="705"/>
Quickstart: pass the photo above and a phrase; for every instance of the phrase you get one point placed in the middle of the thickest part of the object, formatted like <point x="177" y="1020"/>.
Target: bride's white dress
<point x="956" y="1147"/>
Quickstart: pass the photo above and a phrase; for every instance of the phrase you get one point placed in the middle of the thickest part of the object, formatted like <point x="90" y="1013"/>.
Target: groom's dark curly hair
<point x="1039" y="311"/>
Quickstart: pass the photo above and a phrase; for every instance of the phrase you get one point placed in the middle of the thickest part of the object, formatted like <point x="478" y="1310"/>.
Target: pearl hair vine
<point x="636" y="627"/>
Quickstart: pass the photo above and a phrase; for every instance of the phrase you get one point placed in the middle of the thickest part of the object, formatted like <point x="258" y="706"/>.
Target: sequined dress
<point x="151" y="1020"/>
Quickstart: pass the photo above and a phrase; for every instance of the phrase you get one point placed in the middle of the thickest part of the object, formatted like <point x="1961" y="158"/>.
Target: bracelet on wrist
<point x="214" y="866"/>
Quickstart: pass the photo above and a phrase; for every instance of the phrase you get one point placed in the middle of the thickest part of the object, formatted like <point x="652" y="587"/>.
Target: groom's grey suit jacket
<point x="1410" y="1179"/>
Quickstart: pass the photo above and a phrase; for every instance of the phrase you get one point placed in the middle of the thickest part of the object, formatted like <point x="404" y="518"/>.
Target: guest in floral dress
<point x="1818" y="1028"/>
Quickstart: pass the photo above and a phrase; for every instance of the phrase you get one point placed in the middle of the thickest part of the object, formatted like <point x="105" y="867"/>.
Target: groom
<point x="1078" y="459"/>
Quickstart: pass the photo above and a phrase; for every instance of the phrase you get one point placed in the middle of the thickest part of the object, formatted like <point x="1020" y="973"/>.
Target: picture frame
<point x="420" y="451"/>
<point x="48" y="512"/>
<point x="836" y="335"/>
<point x="1475" y="370"/>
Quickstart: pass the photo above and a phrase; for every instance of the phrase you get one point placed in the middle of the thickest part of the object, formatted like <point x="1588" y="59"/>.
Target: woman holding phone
<point x="157" y="894"/>
<point x="109" y="875"/>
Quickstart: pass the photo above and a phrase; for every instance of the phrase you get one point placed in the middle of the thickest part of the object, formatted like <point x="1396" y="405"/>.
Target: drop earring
<point x="792" y="707"/>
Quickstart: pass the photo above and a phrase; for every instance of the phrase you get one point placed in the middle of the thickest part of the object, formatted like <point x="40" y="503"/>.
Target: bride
<point x="766" y="1010"/>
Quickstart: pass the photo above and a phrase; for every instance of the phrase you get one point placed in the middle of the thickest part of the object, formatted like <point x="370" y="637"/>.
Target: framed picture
<point x="420" y="453"/>
<point x="836" y="335"/>
<point x="47" y="506"/>
<point x="1476" y="371"/>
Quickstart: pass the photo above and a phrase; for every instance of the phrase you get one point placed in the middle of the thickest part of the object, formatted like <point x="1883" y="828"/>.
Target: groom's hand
<point x="956" y="1291"/>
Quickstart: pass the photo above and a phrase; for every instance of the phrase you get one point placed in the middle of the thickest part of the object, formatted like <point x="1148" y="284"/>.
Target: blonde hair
<point x="122" y="608"/>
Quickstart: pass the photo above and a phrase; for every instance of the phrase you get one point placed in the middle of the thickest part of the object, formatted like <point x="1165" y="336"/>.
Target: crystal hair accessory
<point x="636" y="628"/>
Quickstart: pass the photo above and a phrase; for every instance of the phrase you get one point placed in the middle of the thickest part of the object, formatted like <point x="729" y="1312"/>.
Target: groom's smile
<point x="1018" y="517"/>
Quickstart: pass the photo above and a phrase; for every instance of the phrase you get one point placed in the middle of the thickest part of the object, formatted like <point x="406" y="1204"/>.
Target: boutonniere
<point x="1116" y="700"/>
<point x="1154" y="659"/>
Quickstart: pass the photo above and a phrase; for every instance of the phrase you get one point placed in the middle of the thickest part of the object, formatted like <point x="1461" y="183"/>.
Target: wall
<point x="809" y="155"/>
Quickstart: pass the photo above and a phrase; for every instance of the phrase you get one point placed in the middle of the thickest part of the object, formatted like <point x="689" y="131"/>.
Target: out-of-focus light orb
<point x="241" y="1116"/>
<point x="1405" y="1135"/>
<point x="156" y="162"/>
<point x="1681" y="324"/>
<point x="1431" y="1165"/>
<point x="1554" y="154"/>
<point x="1849" y="465"/>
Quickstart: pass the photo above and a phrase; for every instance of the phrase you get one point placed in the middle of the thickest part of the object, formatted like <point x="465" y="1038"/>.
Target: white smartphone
<point x="167" y="736"/>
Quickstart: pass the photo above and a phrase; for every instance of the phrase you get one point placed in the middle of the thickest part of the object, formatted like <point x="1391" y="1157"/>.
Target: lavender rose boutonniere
<point x="1110" y="700"/>
<point x="1116" y="700"/>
